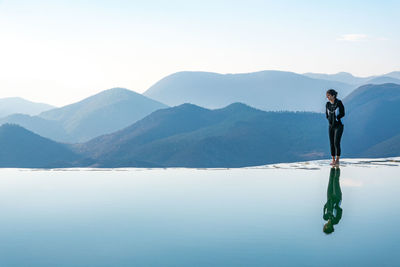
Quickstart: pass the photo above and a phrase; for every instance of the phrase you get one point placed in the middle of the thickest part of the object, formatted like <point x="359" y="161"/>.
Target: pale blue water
<point x="188" y="217"/>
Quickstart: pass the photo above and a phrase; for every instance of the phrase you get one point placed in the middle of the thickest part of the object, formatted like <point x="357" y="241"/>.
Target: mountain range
<point x="192" y="136"/>
<point x="116" y="108"/>
<point x="11" y="105"/>
<point x="345" y="77"/>
<point x="266" y="90"/>
<point x="239" y="135"/>
<point x="23" y="149"/>
<point x="372" y="122"/>
<point x="120" y="128"/>
<point x="235" y="136"/>
<point x="102" y="113"/>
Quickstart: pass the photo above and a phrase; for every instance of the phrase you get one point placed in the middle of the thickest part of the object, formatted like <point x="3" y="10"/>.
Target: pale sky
<point x="59" y="52"/>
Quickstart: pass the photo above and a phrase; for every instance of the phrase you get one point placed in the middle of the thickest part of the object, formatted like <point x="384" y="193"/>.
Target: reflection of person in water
<point x="332" y="210"/>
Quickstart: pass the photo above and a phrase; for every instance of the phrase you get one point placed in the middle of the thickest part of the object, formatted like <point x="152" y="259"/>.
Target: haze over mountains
<point x="11" y="105"/>
<point x="129" y="129"/>
<point x="266" y="90"/>
<point x="383" y="79"/>
<point x="102" y="113"/>
<point x="192" y="136"/>
<point x="343" y="77"/>
<point x="239" y="135"/>
<point x="372" y="123"/>
<point x="393" y="74"/>
<point x="348" y="78"/>
<point x="24" y="149"/>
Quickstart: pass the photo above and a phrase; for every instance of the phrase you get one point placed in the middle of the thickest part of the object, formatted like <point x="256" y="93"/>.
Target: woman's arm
<point x="326" y="110"/>
<point x="341" y="110"/>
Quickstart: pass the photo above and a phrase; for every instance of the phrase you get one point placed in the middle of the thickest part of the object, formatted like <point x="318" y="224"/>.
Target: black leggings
<point x="335" y="134"/>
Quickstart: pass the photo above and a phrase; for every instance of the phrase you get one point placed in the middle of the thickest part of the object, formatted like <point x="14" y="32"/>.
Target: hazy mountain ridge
<point x="393" y="74"/>
<point x="345" y="77"/>
<point x="23" y="149"/>
<point x="105" y="112"/>
<point x="266" y="90"/>
<point x="102" y="113"/>
<point x="383" y="79"/>
<point x="372" y="117"/>
<point x="37" y="125"/>
<point x="388" y="148"/>
<point x="234" y="136"/>
<point x="11" y="105"/>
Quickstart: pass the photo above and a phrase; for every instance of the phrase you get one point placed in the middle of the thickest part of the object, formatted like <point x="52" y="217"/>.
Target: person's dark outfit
<point x="332" y="209"/>
<point x="334" y="114"/>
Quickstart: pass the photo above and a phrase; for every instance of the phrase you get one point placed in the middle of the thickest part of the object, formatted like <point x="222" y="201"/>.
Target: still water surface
<point x="264" y="216"/>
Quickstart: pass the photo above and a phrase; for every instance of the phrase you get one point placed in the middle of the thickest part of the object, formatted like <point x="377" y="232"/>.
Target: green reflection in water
<point x="332" y="210"/>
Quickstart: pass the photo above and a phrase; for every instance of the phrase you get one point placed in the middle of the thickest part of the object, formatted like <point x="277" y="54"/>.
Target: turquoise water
<point x="264" y="216"/>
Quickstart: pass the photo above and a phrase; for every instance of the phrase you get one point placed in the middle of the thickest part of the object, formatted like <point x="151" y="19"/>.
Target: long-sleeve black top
<point x="334" y="112"/>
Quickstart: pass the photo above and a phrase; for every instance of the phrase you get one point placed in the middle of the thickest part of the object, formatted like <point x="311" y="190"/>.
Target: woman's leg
<point x="332" y="143"/>
<point x="337" y="138"/>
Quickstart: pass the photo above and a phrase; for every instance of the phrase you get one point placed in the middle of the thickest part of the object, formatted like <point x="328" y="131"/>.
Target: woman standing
<point x="334" y="114"/>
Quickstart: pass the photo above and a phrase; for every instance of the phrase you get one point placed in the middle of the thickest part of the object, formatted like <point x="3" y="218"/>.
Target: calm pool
<point x="263" y="216"/>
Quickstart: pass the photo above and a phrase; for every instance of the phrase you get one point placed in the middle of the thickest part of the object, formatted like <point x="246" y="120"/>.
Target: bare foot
<point x="333" y="162"/>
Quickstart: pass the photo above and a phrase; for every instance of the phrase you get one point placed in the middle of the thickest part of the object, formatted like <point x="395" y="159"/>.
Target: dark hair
<point x="328" y="228"/>
<point x="332" y="92"/>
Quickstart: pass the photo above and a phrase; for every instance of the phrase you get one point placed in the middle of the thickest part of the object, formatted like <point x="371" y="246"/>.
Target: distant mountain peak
<point x="10" y="105"/>
<point x="372" y="92"/>
<point x="105" y="112"/>
<point x="239" y="106"/>
<point x="393" y="74"/>
<point x="266" y="90"/>
<point x="20" y="147"/>
<point x="233" y="106"/>
<point x="343" y="73"/>
<point x="188" y="106"/>
<point x="117" y="90"/>
<point x="383" y="80"/>
<point x="11" y="127"/>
